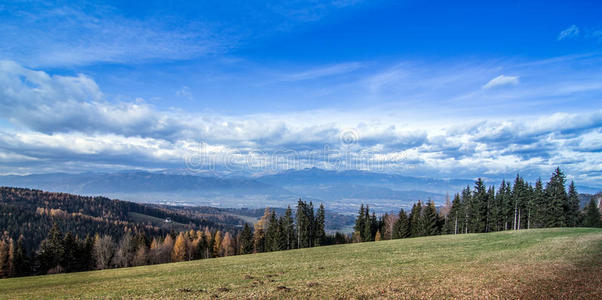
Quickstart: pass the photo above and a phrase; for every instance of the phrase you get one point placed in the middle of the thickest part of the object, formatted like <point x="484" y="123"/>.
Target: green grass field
<point x="543" y="263"/>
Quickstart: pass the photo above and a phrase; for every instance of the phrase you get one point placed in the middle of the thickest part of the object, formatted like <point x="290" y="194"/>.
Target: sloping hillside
<point x="31" y="213"/>
<point x="543" y="263"/>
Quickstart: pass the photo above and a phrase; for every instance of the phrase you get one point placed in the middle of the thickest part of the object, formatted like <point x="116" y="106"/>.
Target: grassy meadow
<point x="541" y="263"/>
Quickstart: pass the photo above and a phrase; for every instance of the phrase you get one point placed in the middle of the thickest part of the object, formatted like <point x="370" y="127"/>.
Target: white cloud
<point x="501" y="81"/>
<point x="569" y="33"/>
<point x="64" y="121"/>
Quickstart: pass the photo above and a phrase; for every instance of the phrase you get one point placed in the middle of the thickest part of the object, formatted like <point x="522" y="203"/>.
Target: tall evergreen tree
<point x="367" y="230"/>
<point x="478" y="207"/>
<point x="557" y="200"/>
<point x="360" y="223"/>
<point x="416" y="228"/>
<point x="592" y="215"/>
<point x="320" y="234"/>
<point x="453" y="222"/>
<point x="539" y="205"/>
<point x="529" y="205"/>
<point x="305" y="224"/>
<point x="289" y="229"/>
<point x="518" y="200"/>
<point x="572" y="214"/>
<point x="401" y="227"/>
<point x="467" y="209"/>
<point x="21" y="261"/>
<point x="51" y="251"/>
<point x="69" y="259"/>
<point x="492" y="210"/>
<point x="429" y="219"/>
<point x="246" y="240"/>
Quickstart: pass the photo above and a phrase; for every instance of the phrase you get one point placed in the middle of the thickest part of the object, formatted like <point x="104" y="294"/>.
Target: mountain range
<point x="341" y="191"/>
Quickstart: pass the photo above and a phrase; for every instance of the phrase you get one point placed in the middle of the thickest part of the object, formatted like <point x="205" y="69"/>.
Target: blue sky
<point x="442" y="89"/>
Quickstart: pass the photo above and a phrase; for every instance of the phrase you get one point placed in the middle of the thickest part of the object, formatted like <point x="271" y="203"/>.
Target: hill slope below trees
<point x="541" y="263"/>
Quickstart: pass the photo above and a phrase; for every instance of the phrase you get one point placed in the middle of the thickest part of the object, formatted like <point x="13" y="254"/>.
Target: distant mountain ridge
<point x="342" y="191"/>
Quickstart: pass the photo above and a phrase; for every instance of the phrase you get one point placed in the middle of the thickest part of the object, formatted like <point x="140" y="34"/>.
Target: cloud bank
<point x="65" y="123"/>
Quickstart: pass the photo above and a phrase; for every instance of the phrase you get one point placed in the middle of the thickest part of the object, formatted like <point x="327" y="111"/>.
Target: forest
<point x="94" y="233"/>
<point x="485" y="209"/>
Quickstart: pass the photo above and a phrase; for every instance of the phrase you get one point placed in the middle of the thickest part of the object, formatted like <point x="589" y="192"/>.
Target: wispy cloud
<point x="501" y="80"/>
<point x="323" y="72"/>
<point x="184" y="92"/>
<point x="42" y="34"/>
<point x="570" y="33"/>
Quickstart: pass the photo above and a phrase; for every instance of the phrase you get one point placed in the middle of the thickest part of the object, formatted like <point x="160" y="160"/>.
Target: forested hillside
<point x="55" y="232"/>
<point x="31" y="213"/>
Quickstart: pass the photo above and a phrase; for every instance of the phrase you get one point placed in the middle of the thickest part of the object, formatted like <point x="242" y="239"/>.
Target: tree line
<point x="477" y="209"/>
<point x="65" y="252"/>
<point x="485" y="209"/>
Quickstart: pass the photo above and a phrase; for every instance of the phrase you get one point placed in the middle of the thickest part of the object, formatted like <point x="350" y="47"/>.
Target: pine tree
<point x="51" y="251"/>
<point x="492" y="210"/>
<point x="508" y="207"/>
<point x="246" y="240"/>
<point x="467" y="209"/>
<point x="374" y="225"/>
<point x="401" y="226"/>
<point x="539" y="205"/>
<point x="20" y="260"/>
<point x="556" y="194"/>
<point x="360" y="223"/>
<point x="592" y="215"/>
<point x="367" y="230"/>
<point x="272" y="233"/>
<point x="202" y="246"/>
<point x="320" y="234"/>
<point x="305" y="224"/>
<point x="416" y="228"/>
<point x="289" y="229"/>
<point x="518" y="200"/>
<point x="529" y="205"/>
<point x="69" y="259"/>
<point x="429" y="219"/>
<point x="453" y="221"/>
<point x="478" y="207"/>
<point x="311" y="224"/>
<point x="573" y="206"/>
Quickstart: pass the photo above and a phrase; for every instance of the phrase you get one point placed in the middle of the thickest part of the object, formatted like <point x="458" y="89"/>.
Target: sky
<point x="441" y="89"/>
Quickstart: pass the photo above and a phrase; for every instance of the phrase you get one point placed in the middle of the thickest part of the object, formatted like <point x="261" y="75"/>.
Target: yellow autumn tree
<point x="179" y="249"/>
<point x="217" y="245"/>
<point x="166" y="249"/>
<point x="377" y="237"/>
<point x="227" y="245"/>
